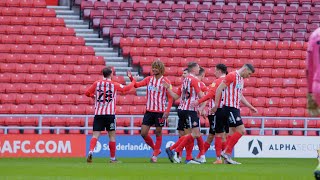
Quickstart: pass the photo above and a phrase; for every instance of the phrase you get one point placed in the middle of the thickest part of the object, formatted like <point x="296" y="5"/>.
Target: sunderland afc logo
<point x="255" y="146"/>
<point x="98" y="147"/>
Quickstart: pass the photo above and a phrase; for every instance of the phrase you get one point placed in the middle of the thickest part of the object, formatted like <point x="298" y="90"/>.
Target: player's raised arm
<point x="246" y="103"/>
<point x="128" y="87"/>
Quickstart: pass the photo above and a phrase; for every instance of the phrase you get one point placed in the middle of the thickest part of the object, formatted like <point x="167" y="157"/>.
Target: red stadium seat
<point x="282" y="132"/>
<point x="282" y="123"/>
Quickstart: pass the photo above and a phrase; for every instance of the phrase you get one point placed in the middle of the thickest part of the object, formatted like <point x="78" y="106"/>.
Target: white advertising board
<point x="277" y="146"/>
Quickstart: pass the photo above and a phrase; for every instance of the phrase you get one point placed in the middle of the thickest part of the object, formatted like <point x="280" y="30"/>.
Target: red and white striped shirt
<point x="233" y="92"/>
<point x="188" y="92"/>
<point x="211" y="94"/>
<point x="105" y="93"/>
<point x="156" y="94"/>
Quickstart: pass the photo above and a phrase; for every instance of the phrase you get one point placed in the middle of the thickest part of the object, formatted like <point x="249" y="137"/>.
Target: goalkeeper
<point x="313" y="73"/>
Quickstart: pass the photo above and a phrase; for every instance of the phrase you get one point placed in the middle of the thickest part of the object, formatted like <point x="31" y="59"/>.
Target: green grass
<point x="141" y="168"/>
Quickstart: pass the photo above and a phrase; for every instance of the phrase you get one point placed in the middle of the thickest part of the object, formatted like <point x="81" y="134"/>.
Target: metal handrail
<point x="131" y="128"/>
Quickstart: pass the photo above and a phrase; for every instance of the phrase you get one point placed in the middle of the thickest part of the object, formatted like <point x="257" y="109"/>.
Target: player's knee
<point x="143" y="135"/>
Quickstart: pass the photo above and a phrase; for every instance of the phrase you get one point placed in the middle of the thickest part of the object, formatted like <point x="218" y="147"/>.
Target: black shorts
<point x="234" y="117"/>
<point x="153" y="118"/>
<point x="183" y="123"/>
<point x="190" y="117"/>
<point x="104" y="122"/>
<point x="218" y="122"/>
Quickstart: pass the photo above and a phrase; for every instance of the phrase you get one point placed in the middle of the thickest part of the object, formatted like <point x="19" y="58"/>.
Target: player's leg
<point x="145" y="127"/>
<point x="195" y="133"/>
<point x="159" y="124"/>
<point x="220" y="119"/>
<point x="235" y="122"/>
<point x="112" y="146"/>
<point x="317" y="170"/>
<point x="111" y="128"/>
<point x="98" y="126"/>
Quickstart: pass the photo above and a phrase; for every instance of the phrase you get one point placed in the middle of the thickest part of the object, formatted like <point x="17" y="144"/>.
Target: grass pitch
<point x="141" y="168"/>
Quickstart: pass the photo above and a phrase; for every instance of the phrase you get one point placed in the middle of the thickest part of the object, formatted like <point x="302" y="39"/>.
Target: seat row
<point x="49" y="88"/>
<point x="276" y="112"/>
<point x="42" y="70"/>
<point x="37" y="30"/>
<point x="263" y="82"/>
<point x="213" y="53"/>
<point x="213" y="2"/>
<point x="167" y="6"/>
<point x="62" y="78"/>
<point x="75" y="99"/>
<point x="40" y="39"/>
<point x="204" y="16"/>
<point x="24" y="3"/>
<point x="31" y="21"/>
<point x="33" y="12"/>
<point x="46" y="49"/>
<point x="113" y="33"/>
<point x="216" y="44"/>
<point x="280" y="123"/>
<point x="203" y="25"/>
<point x="51" y="61"/>
<point x="280" y="66"/>
<point x="283" y="133"/>
<point x="278" y="102"/>
<point x="73" y="131"/>
<point x="64" y="109"/>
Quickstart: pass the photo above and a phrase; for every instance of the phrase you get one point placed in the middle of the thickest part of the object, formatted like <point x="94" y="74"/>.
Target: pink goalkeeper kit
<point x="313" y="64"/>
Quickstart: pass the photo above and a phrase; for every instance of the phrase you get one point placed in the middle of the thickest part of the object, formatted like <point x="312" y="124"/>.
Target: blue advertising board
<point x="134" y="146"/>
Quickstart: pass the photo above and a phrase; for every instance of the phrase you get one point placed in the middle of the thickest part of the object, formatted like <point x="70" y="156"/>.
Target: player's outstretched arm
<point x="142" y="83"/>
<point x="246" y="103"/>
<point x="170" y="91"/>
<point x="128" y="87"/>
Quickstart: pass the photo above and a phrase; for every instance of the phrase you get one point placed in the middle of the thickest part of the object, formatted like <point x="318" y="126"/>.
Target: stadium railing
<point x="261" y="128"/>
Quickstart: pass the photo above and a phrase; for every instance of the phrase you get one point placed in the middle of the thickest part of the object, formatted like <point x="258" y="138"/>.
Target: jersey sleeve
<point x="209" y="95"/>
<point x="144" y="82"/>
<point x="203" y="87"/>
<point x="195" y="85"/>
<point x="91" y="90"/>
<point x="123" y="88"/>
<point x="170" y="98"/>
<point x="229" y="79"/>
<point x="179" y="91"/>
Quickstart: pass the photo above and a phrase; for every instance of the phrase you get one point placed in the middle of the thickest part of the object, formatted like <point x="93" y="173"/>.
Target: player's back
<point x="188" y="92"/>
<point x="105" y="97"/>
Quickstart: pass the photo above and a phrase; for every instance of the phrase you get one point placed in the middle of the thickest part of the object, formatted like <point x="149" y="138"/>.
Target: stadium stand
<point x="46" y="65"/>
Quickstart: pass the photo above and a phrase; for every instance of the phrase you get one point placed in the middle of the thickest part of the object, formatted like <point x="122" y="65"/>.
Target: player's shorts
<point x="234" y="117"/>
<point x="191" y="117"/>
<point x="182" y="122"/>
<point x="104" y="122"/>
<point x="218" y="122"/>
<point x="153" y="118"/>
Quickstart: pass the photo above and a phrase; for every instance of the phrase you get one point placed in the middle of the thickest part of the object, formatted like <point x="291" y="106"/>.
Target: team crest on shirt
<point x="195" y="124"/>
<point x="112" y="126"/>
<point x="239" y="85"/>
<point x="153" y="88"/>
<point x="213" y="84"/>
